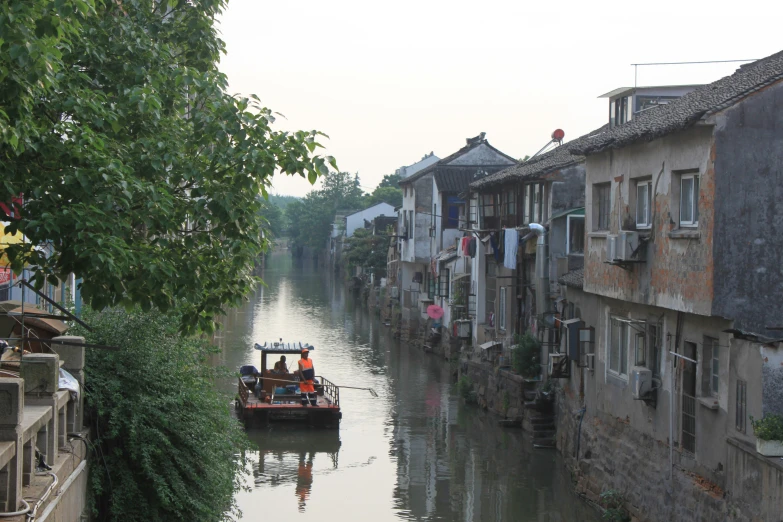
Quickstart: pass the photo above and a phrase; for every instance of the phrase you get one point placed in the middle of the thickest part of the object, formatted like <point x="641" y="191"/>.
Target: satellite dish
<point x="558" y="135"/>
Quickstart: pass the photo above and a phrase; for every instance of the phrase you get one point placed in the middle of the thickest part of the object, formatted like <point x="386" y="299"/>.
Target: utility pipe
<point x="542" y="269"/>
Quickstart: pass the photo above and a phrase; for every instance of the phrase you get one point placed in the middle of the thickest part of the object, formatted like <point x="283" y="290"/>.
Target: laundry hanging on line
<point x="511" y="243"/>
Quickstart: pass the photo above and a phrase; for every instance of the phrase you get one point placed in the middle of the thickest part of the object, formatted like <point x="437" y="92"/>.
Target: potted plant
<point x="769" y="435"/>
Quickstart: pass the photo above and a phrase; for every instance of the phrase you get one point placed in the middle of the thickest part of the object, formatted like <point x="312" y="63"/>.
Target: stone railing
<point x="36" y="415"/>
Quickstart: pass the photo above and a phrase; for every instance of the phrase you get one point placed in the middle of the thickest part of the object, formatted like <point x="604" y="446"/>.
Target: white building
<point x="357" y="219"/>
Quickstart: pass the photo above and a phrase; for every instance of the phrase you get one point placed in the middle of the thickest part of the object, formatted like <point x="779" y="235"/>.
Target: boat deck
<point x="287" y="402"/>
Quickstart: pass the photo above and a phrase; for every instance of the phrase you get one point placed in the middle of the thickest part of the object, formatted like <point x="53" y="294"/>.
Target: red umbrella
<point x="435" y="311"/>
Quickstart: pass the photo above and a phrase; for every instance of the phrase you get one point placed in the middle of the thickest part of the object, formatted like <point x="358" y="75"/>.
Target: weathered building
<point x="678" y="346"/>
<point x="422" y="231"/>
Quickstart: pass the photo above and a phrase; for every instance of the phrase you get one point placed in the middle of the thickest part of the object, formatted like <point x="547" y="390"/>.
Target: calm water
<point x="413" y="453"/>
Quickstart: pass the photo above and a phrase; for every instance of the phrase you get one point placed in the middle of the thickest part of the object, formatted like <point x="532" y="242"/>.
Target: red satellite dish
<point x="558" y="135"/>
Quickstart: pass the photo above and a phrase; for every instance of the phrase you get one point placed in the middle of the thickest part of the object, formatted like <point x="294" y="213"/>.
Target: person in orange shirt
<point x="307" y="379"/>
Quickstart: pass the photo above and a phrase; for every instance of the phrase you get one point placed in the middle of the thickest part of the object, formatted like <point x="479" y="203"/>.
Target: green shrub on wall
<point x="171" y="449"/>
<point x="770" y="427"/>
<point x="526" y="356"/>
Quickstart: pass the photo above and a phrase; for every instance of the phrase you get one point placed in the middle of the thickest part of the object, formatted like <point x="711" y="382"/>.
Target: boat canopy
<point x="281" y="347"/>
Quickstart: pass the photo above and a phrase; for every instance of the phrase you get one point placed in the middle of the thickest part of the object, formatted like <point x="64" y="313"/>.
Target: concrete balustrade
<point x="36" y="414"/>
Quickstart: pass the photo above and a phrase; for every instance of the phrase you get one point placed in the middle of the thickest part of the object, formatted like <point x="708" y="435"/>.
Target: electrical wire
<point x="24" y="511"/>
<point x="32" y="514"/>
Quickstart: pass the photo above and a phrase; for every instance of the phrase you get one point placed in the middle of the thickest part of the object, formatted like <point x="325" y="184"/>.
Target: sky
<point x="391" y="81"/>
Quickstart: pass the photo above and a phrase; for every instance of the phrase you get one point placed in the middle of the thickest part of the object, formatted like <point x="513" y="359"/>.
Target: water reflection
<point x="413" y="453"/>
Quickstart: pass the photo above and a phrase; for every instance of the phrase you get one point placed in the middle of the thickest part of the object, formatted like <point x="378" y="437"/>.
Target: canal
<point x="413" y="453"/>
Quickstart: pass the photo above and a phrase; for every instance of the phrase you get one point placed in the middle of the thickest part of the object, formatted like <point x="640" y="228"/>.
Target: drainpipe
<point x="542" y="268"/>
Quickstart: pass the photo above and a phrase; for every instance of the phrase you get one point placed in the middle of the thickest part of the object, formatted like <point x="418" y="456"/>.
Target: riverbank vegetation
<point x="166" y="445"/>
<point x="310" y="218"/>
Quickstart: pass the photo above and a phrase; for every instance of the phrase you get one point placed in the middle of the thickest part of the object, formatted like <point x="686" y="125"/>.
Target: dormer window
<point x="620" y="111"/>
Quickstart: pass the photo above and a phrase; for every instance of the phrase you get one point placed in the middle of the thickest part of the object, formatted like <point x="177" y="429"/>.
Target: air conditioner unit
<point x="462" y="329"/>
<point x="641" y="382"/>
<point x="626" y="244"/>
<point x="611" y="248"/>
<point x="555" y="360"/>
<point x="590" y="361"/>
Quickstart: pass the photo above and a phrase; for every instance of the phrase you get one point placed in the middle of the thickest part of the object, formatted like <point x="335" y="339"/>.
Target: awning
<point x="580" y="211"/>
<point x="491" y="344"/>
<point x="460" y="276"/>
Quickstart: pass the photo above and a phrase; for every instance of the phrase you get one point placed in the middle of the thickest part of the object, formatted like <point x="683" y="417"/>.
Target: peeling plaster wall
<point x="678" y="271"/>
<point x="608" y="395"/>
<point x="749" y="215"/>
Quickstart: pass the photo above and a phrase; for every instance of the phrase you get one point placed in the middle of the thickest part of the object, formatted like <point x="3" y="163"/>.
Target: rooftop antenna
<point x="637" y="65"/>
<point x="557" y="137"/>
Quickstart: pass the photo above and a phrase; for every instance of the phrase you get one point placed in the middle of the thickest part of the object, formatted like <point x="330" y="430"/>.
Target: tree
<point x="137" y="169"/>
<point x="390" y="195"/>
<point x="311" y="218"/>
<point x="367" y="251"/>
<point x="390" y="180"/>
<point x="273" y="218"/>
<point x="171" y="450"/>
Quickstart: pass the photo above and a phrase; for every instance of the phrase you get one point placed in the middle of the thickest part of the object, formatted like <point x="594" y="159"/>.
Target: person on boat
<point x="280" y="366"/>
<point x="307" y="379"/>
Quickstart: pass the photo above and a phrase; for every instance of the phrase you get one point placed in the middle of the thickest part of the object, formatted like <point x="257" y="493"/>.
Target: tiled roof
<point x="472" y="143"/>
<point x="574" y="278"/>
<point x="686" y="111"/>
<point x="555" y="159"/>
<point x="456" y="178"/>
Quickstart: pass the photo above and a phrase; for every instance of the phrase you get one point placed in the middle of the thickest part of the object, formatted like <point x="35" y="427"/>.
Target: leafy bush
<point x="173" y="451"/>
<point x="770" y="427"/>
<point x="613" y="503"/>
<point x="526" y="356"/>
<point x="465" y="389"/>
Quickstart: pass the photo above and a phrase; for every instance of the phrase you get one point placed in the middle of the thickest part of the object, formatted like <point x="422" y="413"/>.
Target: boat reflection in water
<point x="289" y="456"/>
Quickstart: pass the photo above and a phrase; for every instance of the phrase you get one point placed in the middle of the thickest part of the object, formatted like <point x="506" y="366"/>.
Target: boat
<point x="266" y="396"/>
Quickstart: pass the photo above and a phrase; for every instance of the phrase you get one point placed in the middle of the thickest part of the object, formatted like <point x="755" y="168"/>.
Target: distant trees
<point x="367" y="251"/>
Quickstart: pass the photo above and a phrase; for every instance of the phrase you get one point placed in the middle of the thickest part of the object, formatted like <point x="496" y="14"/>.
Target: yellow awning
<point x="7" y="239"/>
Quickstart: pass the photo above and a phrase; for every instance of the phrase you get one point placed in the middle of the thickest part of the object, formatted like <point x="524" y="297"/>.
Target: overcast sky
<point x="391" y="81"/>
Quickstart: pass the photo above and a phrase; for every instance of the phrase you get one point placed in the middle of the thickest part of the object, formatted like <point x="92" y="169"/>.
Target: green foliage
<point x="465" y="389"/>
<point x="138" y="170"/>
<point x="613" y="503"/>
<point x="390" y="180"/>
<point x="526" y="356"/>
<point x="281" y="200"/>
<point x="390" y="195"/>
<point x="769" y="427"/>
<point x="311" y="218"/>
<point x="172" y="448"/>
<point x="367" y="251"/>
<point x="273" y="218"/>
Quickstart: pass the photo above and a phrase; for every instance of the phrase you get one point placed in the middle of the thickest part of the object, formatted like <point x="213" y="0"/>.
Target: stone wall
<point x="615" y="456"/>
<point x="499" y="391"/>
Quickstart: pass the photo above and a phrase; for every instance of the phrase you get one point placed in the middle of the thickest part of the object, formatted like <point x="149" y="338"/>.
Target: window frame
<point x="603" y="204"/>
<point x="621" y="350"/>
<point x="568" y="236"/>
<point x="502" y="307"/>
<point x="647" y="224"/>
<point x="741" y="406"/>
<point x="693" y="222"/>
<point x="443" y="283"/>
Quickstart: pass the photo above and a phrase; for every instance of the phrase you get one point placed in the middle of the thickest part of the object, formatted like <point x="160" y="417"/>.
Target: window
<point x="741" y="410"/>
<point x="601" y="203"/>
<point x="576" y="235"/>
<point x="653" y="338"/>
<point x="443" y="283"/>
<point x="490" y="291"/>
<point x="502" y="309"/>
<point x="453" y="207"/>
<point x="710" y="367"/>
<point x="643" y="204"/>
<point x="488" y="205"/>
<point x="689" y="200"/>
<point x="640" y="347"/>
<point x="509" y="203"/>
<point x="620" y="111"/>
<point x="618" y="348"/>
